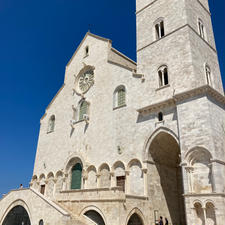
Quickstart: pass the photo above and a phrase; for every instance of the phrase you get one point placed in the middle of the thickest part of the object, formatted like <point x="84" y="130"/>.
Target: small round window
<point x="41" y="222"/>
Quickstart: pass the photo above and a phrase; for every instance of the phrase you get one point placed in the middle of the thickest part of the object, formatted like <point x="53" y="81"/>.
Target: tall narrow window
<point x="86" y="51"/>
<point x="83" y="110"/>
<point x="42" y="189"/>
<point x="163" y="76"/>
<point x="51" y="124"/>
<point x="208" y="75"/>
<point x="160" y="116"/>
<point x="76" y="175"/>
<point x="120" y="96"/>
<point x="201" y="29"/>
<point x="159" y="29"/>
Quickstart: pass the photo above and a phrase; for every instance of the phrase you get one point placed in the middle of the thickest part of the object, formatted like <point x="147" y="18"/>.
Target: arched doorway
<point x="76" y="176"/>
<point x="95" y="217"/>
<point x="17" y="216"/>
<point x="165" y="181"/>
<point x="135" y="220"/>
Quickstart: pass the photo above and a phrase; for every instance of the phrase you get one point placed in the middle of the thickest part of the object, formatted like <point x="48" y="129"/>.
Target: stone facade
<point x="159" y="153"/>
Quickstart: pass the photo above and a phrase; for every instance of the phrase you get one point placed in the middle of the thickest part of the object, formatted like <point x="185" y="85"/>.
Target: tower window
<point x="120" y="96"/>
<point x="208" y="75"/>
<point x="163" y="76"/>
<point x="159" y="29"/>
<point x="201" y="29"/>
<point x="83" y="109"/>
<point x="51" y="124"/>
<point x="160" y="116"/>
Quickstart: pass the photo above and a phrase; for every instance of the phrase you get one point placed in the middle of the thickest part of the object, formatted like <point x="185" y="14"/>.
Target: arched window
<point x="160" y="116"/>
<point x="83" y="110"/>
<point x="51" y="124"/>
<point x="41" y="222"/>
<point x="76" y="175"/>
<point x="159" y="29"/>
<point x="208" y="75"/>
<point x="120" y="97"/>
<point x="163" y="76"/>
<point x="201" y="29"/>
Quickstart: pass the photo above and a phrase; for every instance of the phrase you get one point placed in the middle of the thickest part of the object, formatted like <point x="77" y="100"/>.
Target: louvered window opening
<point x="121" y="97"/>
<point x="83" y="110"/>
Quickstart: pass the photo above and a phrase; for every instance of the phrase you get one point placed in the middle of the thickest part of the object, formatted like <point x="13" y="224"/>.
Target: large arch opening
<point x="95" y="217"/>
<point x="165" y="181"/>
<point x="17" y="216"/>
<point x="135" y="220"/>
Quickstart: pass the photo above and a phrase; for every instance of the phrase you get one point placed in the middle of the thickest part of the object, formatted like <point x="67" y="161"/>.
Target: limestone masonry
<point x="124" y="143"/>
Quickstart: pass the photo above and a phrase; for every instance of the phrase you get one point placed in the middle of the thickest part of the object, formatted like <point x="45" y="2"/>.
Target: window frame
<point x="159" y="29"/>
<point x="51" y="124"/>
<point x="163" y="76"/>
<point x="118" y="99"/>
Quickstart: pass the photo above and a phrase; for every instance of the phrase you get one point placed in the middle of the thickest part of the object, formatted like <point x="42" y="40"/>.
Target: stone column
<point x="127" y="182"/>
<point x="84" y="180"/>
<point x="113" y="179"/>
<point x="65" y="178"/>
<point x="145" y="176"/>
<point x="98" y="176"/>
<point x="189" y="171"/>
<point x="54" y="188"/>
<point x="204" y="213"/>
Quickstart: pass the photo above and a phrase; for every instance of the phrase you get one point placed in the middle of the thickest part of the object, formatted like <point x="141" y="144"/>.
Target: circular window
<point x="84" y="80"/>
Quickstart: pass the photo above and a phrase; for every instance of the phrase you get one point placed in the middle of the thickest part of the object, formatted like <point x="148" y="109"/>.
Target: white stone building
<point x="124" y="143"/>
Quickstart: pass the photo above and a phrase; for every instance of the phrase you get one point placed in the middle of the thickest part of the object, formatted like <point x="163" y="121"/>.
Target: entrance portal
<point x="95" y="217"/>
<point x="165" y="179"/>
<point x="17" y="216"/>
<point x="135" y="220"/>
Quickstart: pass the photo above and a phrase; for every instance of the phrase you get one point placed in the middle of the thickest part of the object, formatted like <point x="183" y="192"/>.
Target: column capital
<point x="144" y="170"/>
<point x="127" y="172"/>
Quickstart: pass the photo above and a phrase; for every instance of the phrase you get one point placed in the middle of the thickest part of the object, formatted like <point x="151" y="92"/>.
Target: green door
<point x="76" y="176"/>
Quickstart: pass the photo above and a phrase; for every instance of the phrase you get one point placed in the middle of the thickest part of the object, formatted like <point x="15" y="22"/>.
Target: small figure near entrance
<point x="166" y="221"/>
<point x="21" y="186"/>
<point x="161" y="221"/>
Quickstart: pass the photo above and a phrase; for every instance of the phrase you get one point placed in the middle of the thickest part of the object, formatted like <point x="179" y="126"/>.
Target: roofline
<point x="87" y="34"/>
<point x="122" y="55"/>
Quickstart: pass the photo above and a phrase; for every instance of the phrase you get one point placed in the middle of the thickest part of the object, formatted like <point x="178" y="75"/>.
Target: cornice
<point x="203" y="90"/>
<point x="150" y="4"/>
<point x="174" y="31"/>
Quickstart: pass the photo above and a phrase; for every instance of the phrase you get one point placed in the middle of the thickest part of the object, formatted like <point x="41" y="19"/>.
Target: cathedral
<point x="125" y="143"/>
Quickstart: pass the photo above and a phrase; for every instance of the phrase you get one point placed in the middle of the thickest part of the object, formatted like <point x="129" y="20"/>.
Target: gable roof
<point x="102" y="39"/>
<point x="85" y="37"/>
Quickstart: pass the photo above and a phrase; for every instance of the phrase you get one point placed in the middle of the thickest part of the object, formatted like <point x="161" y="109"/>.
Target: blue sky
<point x="37" y="40"/>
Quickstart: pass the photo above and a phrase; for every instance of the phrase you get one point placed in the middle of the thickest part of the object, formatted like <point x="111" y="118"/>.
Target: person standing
<point x="166" y="221"/>
<point x="161" y="221"/>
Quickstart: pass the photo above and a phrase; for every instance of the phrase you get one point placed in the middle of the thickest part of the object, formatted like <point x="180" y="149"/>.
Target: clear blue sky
<point x="37" y="40"/>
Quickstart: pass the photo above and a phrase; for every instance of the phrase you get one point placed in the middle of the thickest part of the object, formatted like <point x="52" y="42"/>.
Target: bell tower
<point x="176" y="53"/>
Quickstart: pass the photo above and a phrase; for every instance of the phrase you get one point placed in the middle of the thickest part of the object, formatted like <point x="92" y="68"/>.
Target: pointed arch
<point x="93" y="208"/>
<point x="136" y="211"/>
<point x="152" y="137"/>
<point x="13" y="205"/>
